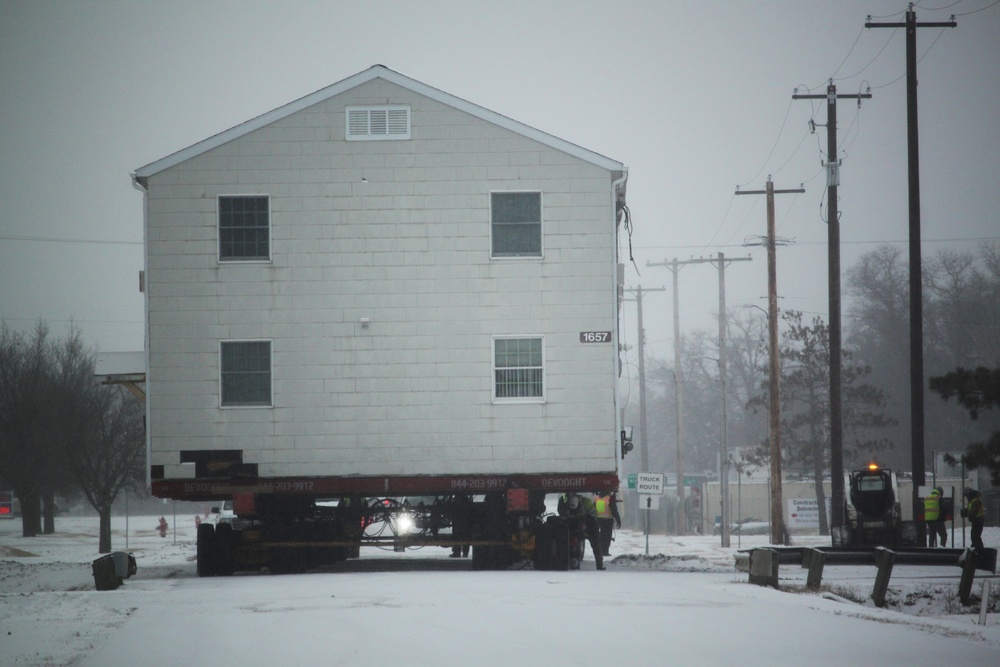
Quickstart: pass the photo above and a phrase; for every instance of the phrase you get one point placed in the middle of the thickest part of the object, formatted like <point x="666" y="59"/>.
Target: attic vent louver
<point x="378" y="123"/>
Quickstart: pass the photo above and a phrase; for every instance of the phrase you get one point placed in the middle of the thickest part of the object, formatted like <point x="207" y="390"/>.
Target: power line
<point x="68" y="321"/>
<point x="52" y="239"/>
<point x="849" y="52"/>
<point x="823" y="243"/>
<point x="870" y="62"/>
<point x="776" y="140"/>
<point x="976" y="11"/>
<point x="938" y="9"/>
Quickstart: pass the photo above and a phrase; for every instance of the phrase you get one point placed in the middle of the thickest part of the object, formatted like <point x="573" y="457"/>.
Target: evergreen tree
<point x="805" y="405"/>
<point x="976" y="391"/>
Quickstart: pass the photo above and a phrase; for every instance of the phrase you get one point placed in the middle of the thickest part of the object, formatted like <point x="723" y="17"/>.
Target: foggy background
<point x="694" y="97"/>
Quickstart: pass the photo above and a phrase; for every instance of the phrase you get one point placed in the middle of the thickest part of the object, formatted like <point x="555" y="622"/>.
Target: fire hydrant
<point x="163" y="527"/>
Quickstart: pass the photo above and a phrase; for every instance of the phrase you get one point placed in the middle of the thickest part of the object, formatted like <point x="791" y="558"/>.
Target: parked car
<point x="224" y="513"/>
<point x="8" y="510"/>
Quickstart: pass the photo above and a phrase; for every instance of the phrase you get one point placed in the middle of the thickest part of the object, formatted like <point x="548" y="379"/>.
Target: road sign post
<point x="650" y="488"/>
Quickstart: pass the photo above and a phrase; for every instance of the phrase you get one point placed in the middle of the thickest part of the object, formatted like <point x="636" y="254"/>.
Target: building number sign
<point x="595" y="336"/>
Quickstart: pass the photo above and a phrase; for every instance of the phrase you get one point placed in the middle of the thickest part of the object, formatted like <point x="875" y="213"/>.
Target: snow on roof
<point x="374" y="72"/>
<point x="120" y="364"/>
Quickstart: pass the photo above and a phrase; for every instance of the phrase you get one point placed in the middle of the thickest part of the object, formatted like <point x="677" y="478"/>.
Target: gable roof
<point x="374" y="72"/>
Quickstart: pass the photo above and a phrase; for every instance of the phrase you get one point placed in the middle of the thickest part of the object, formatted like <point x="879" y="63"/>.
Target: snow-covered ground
<point x="684" y="604"/>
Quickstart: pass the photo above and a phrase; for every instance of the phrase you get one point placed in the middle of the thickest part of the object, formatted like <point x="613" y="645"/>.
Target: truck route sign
<point x="650" y="483"/>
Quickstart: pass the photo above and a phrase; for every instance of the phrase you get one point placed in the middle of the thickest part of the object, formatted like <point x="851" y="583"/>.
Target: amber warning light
<point x="873" y="466"/>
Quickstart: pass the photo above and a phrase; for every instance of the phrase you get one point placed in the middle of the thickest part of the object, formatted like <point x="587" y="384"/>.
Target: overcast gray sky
<point x="694" y="96"/>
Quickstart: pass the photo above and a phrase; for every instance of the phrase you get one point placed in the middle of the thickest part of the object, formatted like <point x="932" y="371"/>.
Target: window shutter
<point x="377" y="122"/>
<point x="399" y="122"/>
<point x="357" y="122"/>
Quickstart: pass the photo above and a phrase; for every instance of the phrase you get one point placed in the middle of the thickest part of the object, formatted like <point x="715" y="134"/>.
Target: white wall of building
<point x="398" y="233"/>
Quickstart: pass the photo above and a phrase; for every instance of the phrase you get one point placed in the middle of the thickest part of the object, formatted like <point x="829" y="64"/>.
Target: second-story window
<point x="516" y="224"/>
<point x="244" y="228"/>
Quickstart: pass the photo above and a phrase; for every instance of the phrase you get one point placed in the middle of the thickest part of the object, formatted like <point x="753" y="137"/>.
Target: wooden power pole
<point x="916" y="287"/>
<point x="833" y="271"/>
<point x="675" y="266"/>
<point x="778" y="533"/>
<point x="721" y="264"/>
<point x="643" y="440"/>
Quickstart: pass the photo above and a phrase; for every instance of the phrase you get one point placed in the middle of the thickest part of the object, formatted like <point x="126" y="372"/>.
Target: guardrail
<point x="762" y="563"/>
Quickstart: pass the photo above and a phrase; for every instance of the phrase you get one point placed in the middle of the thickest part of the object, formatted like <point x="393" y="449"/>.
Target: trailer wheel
<point x="544" y="548"/>
<point x="222" y="550"/>
<point x="206" y="550"/>
<point x="491" y="557"/>
<point x="482" y="557"/>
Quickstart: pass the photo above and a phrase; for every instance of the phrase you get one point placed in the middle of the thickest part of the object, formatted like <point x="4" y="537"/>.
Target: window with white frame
<point x="375" y="123"/>
<point x="516" y="224"/>
<point x="518" y="369"/>
<point x="246" y="373"/>
<point x="244" y="228"/>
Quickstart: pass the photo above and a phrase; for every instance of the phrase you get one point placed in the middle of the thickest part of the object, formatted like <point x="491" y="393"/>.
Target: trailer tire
<point x="561" y="555"/>
<point x="487" y="557"/>
<point x="479" y="557"/>
<point x="542" y="558"/>
<point x="206" y="550"/>
<point x="222" y="550"/>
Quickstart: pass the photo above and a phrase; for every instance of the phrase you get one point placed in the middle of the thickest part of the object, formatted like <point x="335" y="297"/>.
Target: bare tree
<point x="100" y="432"/>
<point x="25" y="446"/>
<point x="59" y="427"/>
<point x="747" y="362"/>
<point x="962" y="326"/>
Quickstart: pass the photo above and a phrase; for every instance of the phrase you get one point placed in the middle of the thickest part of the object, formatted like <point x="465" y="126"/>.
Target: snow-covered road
<point x="687" y="607"/>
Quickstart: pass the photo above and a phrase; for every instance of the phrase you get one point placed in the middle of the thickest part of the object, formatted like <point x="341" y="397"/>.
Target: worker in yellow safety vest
<point x="975" y="512"/>
<point x="607" y="516"/>
<point x="582" y="512"/>
<point x="934" y="519"/>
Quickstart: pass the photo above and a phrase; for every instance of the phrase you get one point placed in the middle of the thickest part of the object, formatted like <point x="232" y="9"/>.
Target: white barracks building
<point x="381" y="279"/>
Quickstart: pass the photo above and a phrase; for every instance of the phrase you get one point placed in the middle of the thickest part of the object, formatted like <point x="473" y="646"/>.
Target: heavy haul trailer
<point x="298" y="524"/>
<point x="377" y="292"/>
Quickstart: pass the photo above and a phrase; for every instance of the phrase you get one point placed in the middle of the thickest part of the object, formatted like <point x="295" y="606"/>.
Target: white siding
<point x="397" y="232"/>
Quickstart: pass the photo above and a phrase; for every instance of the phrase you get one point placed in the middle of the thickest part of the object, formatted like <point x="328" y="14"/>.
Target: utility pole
<point x="675" y="266"/>
<point x="833" y="289"/>
<point x="721" y="264"/>
<point x="774" y="399"/>
<point x="643" y="445"/>
<point x="916" y="287"/>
